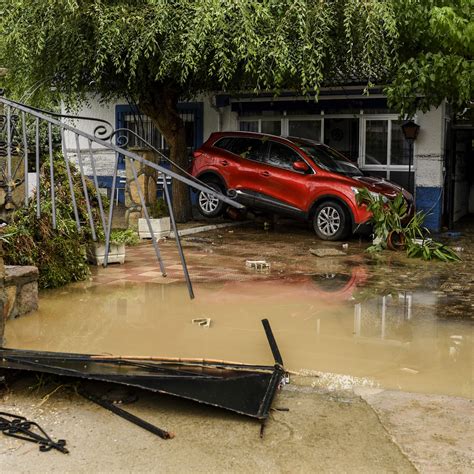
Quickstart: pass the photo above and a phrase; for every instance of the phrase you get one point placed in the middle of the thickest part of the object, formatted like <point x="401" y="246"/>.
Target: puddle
<point x="395" y="341"/>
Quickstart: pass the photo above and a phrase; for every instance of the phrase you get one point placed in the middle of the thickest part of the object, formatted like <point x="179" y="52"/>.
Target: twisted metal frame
<point x="16" y="138"/>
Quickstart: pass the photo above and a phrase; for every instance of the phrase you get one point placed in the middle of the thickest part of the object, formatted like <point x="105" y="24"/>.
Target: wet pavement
<point x="387" y="322"/>
<point x="382" y="348"/>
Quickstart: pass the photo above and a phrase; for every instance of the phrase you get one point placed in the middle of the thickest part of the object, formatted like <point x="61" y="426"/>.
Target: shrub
<point x="58" y="253"/>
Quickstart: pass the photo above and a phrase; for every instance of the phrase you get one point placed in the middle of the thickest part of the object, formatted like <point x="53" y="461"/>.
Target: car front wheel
<point x="208" y="204"/>
<point x="330" y="221"/>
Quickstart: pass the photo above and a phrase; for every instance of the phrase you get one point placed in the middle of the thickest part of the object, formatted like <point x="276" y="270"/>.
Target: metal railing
<point x="19" y="121"/>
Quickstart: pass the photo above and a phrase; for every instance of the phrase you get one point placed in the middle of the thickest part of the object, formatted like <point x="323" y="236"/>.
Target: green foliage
<point x="58" y="253"/>
<point x="422" y="49"/>
<point x="391" y="216"/>
<point x="127" y="236"/>
<point x="117" y="47"/>
<point x="435" y="52"/>
<point x="158" y="209"/>
<point x="387" y="215"/>
<point x="429" y="249"/>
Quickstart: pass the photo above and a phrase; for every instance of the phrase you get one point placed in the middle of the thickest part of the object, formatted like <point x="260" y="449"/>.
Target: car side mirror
<point x="300" y="166"/>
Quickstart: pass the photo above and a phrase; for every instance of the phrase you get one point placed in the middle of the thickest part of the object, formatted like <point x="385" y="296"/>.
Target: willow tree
<point x="161" y="51"/>
<point x="434" y="55"/>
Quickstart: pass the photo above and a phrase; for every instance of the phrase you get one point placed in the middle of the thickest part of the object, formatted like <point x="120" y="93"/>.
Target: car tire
<point x="331" y="221"/>
<point x="208" y="205"/>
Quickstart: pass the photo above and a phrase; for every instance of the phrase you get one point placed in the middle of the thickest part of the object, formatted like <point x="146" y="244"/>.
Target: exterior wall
<point x="230" y="120"/>
<point x="212" y="117"/>
<point x="429" y="161"/>
<point x="104" y="159"/>
<point x="428" y="149"/>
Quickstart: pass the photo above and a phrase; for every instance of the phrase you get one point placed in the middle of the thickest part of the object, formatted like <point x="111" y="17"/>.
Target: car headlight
<point x="372" y="193"/>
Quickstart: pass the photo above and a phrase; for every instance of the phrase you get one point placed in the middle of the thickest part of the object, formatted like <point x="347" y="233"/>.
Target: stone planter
<point x="96" y="253"/>
<point x="161" y="228"/>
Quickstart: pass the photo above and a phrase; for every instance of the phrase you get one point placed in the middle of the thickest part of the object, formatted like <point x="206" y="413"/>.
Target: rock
<point x="21" y="290"/>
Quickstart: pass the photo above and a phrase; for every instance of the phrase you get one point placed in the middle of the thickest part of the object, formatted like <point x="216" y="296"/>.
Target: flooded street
<point x="380" y="349"/>
<point x="322" y="322"/>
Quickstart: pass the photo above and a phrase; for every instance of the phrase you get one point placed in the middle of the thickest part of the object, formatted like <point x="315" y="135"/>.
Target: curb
<point x="205" y="228"/>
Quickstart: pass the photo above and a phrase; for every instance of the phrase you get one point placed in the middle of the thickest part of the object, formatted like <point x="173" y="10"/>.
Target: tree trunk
<point x="160" y="103"/>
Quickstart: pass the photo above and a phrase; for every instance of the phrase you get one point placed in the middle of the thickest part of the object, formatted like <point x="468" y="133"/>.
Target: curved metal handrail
<point x="103" y="136"/>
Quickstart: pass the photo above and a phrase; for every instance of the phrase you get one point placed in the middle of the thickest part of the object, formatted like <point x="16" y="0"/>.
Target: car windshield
<point x="330" y="160"/>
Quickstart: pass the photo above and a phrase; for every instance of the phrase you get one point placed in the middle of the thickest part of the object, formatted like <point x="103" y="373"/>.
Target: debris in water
<point x="257" y="264"/>
<point x="243" y="388"/>
<point x="203" y="322"/>
<point x="327" y="252"/>
<point x="408" y="370"/>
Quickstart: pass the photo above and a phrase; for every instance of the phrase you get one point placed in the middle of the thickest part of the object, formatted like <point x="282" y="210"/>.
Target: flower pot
<point x="161" y="228"/>
<point x="96" y="253"/>
<point x="396" y="240"/>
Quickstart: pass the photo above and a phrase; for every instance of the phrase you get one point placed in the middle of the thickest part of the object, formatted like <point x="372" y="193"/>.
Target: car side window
<point x="249" y="148"/>
<point x="225" y="143"/>
<point x="282" y="156"/>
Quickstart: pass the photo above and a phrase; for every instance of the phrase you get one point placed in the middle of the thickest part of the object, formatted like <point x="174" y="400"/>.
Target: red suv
<point x="288" y="176"/>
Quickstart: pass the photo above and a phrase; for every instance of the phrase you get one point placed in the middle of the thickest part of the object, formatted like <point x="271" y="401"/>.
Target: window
<point x="250" y="148"/>
<point x="342" y="134"/>
<point x="386" y="151"/>
<point x="310" y="129"/>
<point x="224" y="143"/>
<point x="384" y="143"/>
<point x="372" y="139"/>
<point x="376" y="139"/>
<point x="400" y="153"/>
<point x="330" y="160"/>
<point x="272" y="127"/>
<point x="249" y="125"/>
<point x="282" y="156"/>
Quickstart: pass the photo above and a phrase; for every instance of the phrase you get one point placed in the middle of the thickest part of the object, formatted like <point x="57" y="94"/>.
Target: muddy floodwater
<point x="396" y="341"/>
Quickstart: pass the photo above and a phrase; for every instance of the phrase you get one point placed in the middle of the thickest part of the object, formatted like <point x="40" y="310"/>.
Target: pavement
<point x="331" y="431"/>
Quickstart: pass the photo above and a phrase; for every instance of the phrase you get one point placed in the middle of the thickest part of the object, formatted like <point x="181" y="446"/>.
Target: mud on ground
<point x="327" y="432"/>
<point x="286" y="246"/>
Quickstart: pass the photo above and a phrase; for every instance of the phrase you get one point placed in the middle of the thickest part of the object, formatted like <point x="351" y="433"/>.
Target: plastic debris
<point x="203" y="322"/>
<point x="327" y="252"/>
<point x="257" y="264"/>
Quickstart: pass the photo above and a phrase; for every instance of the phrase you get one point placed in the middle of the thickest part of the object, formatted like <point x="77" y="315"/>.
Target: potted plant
<point x="393" y="229"/>
<point x="159" y="219"/>
<point x="118" y="240"/>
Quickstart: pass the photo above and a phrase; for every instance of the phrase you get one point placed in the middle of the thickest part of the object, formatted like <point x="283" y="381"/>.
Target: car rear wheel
<point x="330" y="221"/>
<point x="208" y="204"/>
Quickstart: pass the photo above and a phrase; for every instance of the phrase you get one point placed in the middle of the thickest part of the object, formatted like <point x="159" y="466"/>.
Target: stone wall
<point x="21" y="290"/>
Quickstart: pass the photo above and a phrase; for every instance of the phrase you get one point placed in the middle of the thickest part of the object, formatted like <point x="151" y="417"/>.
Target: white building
<point x="360" y="126"/>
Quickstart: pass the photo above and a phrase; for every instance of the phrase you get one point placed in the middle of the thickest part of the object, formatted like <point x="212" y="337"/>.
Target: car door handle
<point x="224" y="162"/>
<point x="265" y="173"/>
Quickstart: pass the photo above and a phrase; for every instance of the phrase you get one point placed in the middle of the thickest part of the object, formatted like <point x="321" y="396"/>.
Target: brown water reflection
<point x="392" y="341"/>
